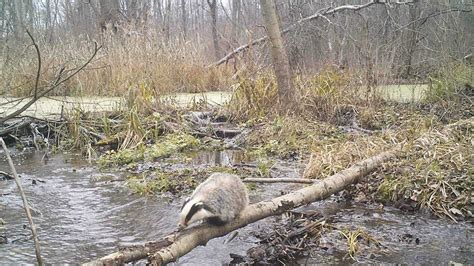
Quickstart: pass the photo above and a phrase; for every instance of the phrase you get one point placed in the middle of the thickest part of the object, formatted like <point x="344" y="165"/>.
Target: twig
<point x="279" y="180"/>
<point x="25" y="203"/>
<point x="6" y="175"/>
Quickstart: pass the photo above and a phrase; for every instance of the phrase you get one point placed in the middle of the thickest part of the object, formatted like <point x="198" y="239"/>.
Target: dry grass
<point x="254" y="97"/>
<point x="122" y="64"/>
<point x="331" y="156"/>
<point x="325" y="96"/>
<point x="436" y="172"/>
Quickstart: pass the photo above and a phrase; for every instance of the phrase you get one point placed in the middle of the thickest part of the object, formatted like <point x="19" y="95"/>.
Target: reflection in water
<point x="219" y="158"/>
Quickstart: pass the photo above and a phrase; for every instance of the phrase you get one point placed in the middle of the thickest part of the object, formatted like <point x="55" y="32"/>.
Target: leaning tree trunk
<point x="280" y="61"/>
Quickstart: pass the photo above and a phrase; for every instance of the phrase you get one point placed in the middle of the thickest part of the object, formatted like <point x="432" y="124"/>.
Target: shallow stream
<point x="81" y="217"/>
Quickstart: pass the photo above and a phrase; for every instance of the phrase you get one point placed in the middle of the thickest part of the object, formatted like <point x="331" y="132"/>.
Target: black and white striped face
<point x="193" y="211"/>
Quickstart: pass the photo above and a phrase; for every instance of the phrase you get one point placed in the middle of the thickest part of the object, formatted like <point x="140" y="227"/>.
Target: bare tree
<point x="281" y="65"/>
<point x="109" y="14"/>
<point x="215" y="38"/>
<point x="184" y="17"/>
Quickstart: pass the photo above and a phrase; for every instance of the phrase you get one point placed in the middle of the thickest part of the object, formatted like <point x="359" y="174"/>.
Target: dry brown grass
<point x="326" y="96"/>
<point x="123" y="63"/>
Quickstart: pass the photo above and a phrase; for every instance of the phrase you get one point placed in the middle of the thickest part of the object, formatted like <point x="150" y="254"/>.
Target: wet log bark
<point x="176" y="245"/>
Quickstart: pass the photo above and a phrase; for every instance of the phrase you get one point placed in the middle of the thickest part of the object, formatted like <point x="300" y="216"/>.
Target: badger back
<point x="225" y="194"/>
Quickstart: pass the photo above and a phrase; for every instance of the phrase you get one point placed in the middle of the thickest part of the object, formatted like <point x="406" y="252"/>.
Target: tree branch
<point x="38" y="73"/>
<point x="320" y="13"/>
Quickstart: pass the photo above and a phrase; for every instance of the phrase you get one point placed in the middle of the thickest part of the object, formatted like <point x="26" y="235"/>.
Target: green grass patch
<point x="164" y="147"/>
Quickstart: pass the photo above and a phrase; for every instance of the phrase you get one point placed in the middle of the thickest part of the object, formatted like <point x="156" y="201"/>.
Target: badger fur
<point x="218" y="200"/>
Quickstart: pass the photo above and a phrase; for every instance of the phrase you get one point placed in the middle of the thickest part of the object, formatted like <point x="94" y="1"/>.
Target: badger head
<point x="193" y="210"/>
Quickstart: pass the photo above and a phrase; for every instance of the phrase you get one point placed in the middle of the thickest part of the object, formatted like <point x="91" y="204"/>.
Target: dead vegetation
<point x="123" y="64"/>
<point x="435" y="174"/>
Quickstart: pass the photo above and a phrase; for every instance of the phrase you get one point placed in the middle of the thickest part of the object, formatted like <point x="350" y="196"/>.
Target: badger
<point x="218" y="200"/>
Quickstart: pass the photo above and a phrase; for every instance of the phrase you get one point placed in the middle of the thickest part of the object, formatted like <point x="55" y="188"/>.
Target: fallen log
<point x="174" y="246"/>
<point x="15" y="127"/>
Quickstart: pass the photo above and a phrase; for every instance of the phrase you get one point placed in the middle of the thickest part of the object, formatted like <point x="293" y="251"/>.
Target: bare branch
<point x="38" y="73"/>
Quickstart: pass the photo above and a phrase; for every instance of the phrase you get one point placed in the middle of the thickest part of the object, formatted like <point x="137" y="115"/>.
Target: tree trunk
<point x="414" y="13"/>
<point x="47" y="22"/>
<point x="167" y="21"/>
<point x="236" y="9"/>
<point x="109" y="15"/>
<point x="18" y="25"/>
<point x="213" y="6"/>
<point x="280" y="61"/>
<point x="184" y="16"/>
<point x="157" y="11"/>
